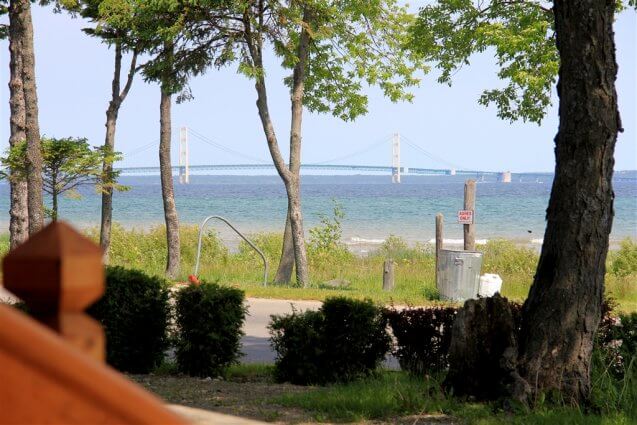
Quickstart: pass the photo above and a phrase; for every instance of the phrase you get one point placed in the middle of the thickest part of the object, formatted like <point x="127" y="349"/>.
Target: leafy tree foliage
<point x="519" y="33"/>
<point x="68" y="163"/>
<point x="353" y="44"/>
<point x="521" y="36"/>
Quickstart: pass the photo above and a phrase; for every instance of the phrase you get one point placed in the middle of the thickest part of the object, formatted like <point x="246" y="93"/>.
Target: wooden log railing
<point x="52" y="370"/>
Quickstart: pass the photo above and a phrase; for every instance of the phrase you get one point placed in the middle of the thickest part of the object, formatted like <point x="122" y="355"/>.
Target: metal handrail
<point x="249" y="242"/>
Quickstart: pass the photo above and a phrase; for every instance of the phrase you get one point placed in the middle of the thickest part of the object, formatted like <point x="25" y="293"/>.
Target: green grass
<point x="253" y="372"/>
<point x="385" y="395"/>
<point x="4" y="243"/>
<point x="414" y="271"/>
<point x="393" y="394"/>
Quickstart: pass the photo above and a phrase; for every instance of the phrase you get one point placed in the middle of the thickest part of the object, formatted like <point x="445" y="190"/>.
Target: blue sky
<point x="74" y="74"/>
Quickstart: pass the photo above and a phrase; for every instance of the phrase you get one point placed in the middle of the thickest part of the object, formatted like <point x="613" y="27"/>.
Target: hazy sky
<point x="74" y="74"/>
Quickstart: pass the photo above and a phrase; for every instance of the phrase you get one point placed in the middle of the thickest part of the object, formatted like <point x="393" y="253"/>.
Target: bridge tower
<point x="395" y="158"/>
<point x="184" y="160"/>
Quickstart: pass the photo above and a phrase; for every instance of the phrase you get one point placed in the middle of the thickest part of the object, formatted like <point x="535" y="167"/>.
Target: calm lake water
<point x="374" y="208"/>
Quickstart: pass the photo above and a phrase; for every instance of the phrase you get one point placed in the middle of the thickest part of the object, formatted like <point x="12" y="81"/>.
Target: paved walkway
<point x="256" y="344"/>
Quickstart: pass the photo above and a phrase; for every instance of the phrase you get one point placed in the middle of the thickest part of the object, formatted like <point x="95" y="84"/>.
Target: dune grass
<point x="414" y="271"/>
<point x="329" y="260"/>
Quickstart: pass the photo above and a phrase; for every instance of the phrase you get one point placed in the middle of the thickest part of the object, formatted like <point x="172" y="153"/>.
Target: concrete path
<point x="256" y="344"/>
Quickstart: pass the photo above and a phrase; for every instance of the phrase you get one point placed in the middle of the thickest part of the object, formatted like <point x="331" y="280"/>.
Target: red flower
<point x="193" y="279"/>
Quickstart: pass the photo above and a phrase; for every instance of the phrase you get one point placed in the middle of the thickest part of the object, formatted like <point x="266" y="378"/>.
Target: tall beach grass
<point x="357" y="276"/>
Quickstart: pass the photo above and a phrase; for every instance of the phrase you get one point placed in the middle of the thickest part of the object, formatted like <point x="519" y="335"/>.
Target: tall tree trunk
<point x="562" y="312"/>
<point x="19" y="222"/>
<point x="293" y="185"/>
<point x="293" y="188"/>
<point x="167" y="191"/>
<point x="289" y="175"/>
<point x="286" y="263"/>
<point x="117" y="98"/>
<point x="54" y="211"/>
<point x="32" y="127"/>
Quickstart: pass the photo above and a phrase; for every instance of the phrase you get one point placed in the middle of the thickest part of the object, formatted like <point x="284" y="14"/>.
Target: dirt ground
<point x="249" y="398"/>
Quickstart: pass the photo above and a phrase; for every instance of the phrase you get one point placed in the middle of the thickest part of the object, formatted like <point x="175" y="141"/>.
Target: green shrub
<point x="614" y="363"/>
<point x="624" y="261"/>
<point x="617" y="339"/>
<point x="397" y="248"/>
<point x="145" y="249"/>
<point x="134" y="312"/>
<point x="504" y="257"/>
<point x="345" y="340"/>
<point x="423" y="336"/>
<point x="324" y="244"/>
<point x="298" y="341"/>
<point x="209" y="322"/>
<point x="269" y="243"/>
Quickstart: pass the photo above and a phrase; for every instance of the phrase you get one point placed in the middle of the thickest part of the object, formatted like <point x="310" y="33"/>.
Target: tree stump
<point x="483" y="351"/>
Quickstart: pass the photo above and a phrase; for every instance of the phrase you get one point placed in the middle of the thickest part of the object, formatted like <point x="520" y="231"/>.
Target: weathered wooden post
<point x="388" y="275"/>
<point x="53" y="378"/>
<point x="440" y="221"/>
<point x="58" y="273"/>
<point x="470" y="205"/>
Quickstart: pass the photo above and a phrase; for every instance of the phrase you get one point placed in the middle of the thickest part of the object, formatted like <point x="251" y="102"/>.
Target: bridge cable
<point x="428" y="154"/>
<point x="356" y="153"/>
<point x="219" y="146"/>
<point x="141" y="149"/>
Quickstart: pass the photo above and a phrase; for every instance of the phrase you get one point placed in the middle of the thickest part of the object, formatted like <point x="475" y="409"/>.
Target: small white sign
<point x="465" y="217"/>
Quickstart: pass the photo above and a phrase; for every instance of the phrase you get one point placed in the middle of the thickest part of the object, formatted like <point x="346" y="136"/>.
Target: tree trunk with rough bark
<point x="293" y="188"/>
<point x="32" y="127"/>
<point x="19" y="221"/>
<point x="54" y="209"/>
<point x="562" y="312"/>
<point x="289" y="174"/>
<point x="117" y="98"/>
<point x="286" y="263"/>
<point x="293" y="185"/>
<point x="167" y="190"/>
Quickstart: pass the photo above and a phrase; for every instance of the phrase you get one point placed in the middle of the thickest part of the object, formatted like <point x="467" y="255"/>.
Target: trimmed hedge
<point x="134" y="313"/>
<point x="209" y="320"/>
<point x="345" y="340"/>
<point x="423" y="336"/>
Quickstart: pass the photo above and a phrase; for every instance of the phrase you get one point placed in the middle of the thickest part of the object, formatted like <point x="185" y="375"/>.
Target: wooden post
<point x="388" y="275"/>
<point x="51" y="378"/>
<point x="440" y="221"/>
<point x="470" y="204"/>
<point x="58" y="273"/>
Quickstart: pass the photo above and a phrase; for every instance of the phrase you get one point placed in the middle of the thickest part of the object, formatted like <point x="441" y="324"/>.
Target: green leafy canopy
<point x="67" y="164"/>
<point x="353" y="44"/>
<point x="518" y="33"/>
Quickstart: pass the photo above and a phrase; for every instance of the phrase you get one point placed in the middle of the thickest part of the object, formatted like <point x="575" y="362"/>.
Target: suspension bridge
<point x="396" y="170"/>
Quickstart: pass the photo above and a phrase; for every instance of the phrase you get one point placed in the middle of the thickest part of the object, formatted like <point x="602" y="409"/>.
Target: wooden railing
<point x="52" y="362"/>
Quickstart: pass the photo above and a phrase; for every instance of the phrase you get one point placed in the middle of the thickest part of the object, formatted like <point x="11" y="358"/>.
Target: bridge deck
<point x="326" y="167"/>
